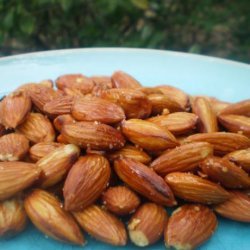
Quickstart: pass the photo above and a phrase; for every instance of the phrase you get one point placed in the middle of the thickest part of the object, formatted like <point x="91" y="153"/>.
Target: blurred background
<point x="211" y="27"/>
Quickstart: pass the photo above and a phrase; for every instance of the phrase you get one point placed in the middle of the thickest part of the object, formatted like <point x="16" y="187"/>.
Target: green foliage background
<point x="212" y="27"/>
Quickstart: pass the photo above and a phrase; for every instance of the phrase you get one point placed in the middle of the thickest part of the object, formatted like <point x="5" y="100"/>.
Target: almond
<point x="47" y="214"/>
<point x="189" y="226"/>
<point x="103" y="81"/>
<point x="177" y="123"/>
<point x="146" y="226"/>
<point x="14" y="109"/>
<point x="60" y="120"/>
<point x="13" y="218"/>
<point x="144" y="181"/>
<point x="26" y="86"/>
<point x="183" y="158"/>
<point x="236" y="208"/>
<point x="56" y="164"/>
<point x="97" y="109"/>
<point x="148" y="135"/>
<point x="225" y="172"/>
<point x="120" y="200"/>
<point x="222" y="142"/>
<point x="15" y="177"/>
<point x="121" y="79"/>
<point x="239" y="108"/>
<point x="60" y="139"/>
<point x="37" y="128"/>
<point x="2" y="128"/>
<point x="93" y="135"/>
<point x="86" y="181"/>
<point x="13" y="147"/>
<point x="190" y="187"/>
<point x="102" y="225"/>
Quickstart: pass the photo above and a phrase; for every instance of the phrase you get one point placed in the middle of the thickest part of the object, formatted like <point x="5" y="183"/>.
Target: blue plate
<point x="195" y="74"/>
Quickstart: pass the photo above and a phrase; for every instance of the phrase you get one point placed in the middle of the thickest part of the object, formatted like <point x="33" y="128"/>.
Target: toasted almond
<point x="177" y="123"/>
<point x="26" y="86"/>
<point x="12" y="217"/>
<point x="183" y="158"/>
<point x="15" y="177"/>
<point x="97" y="109"/>
<point x="103" y="81"/>
<point x="86" y="181"/>
<point x="236" y="208"/>
<point x="37" y="128"/>
<point x="144" y="181"/>
<point x="222" y="142"/>
<point x="47" y="214"/>
<point x="239" y="108"/>
<point x="193" y="188"/>
<point x="60" y="120"/>
<point x="14" y="109"/>
<point x="189" y="226"/>
<point x="2" y="129"/>
<point x="148" y="135"/>
<point x="93" y="135"/>
<point x="120" y="200"/>
<point x="102" y="225"/>
<point x="225" y="172"/>
<point x="121" y="79"/>
<point x="61" y="139"/>
<point x="146" y="226"/>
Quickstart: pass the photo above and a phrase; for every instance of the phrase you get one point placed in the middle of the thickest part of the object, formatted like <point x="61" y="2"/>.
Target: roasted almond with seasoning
<point x="56" y="164"/>
<point x="102" y="225"/>
<point x="189" y="226"/>
<point x="236" y="208"/>
<point x="207" y="117"/>
<point x="26" y="86"/>
<point x="134" y="102"/>
<point x="37" y="128"/>
<point x="144" y="181"/>
<point x="120" y="200"/>
<point x="147" y="224"/>
<point x="148" y="135"/>
<point x="60" y="120"/>
<point x="13" y="147"/>
<point x="217" y="105"/>
<point x="193" y="188"/>
<point x="177" y="123"/>
<point x="15" y="177"/>
<point x="93" y="135"/>
<point x="223" y="142"/>
<point x="103" y="81"/>
<point x="238" y="108"/>
<point x="121" y="79"/>
<point x="225" y="172"/>
<point x="86" y="181"/>
<point x="236" y="123"/>
<point x="131" y="152"/>
<point x="13" y="218"/>
<point x="183" y="158"/>
<point x="97" y="109"/>
<point x="14" y="109"/>
<point x="47" y="214"/>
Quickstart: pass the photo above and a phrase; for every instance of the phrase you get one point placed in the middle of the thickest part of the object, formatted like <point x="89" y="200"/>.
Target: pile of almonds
<point x="107" y="155"/>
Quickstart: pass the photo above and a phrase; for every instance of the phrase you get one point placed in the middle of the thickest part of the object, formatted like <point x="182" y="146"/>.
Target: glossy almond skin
<point x="217" y="105"/>
<point x="121" y="79"/>
<point x="148" y="135"/>
<point x="93" y="135"/>
<point x="236" y="123"/>
<point x="178" y="123"/>
<point x="97" y="109"/>
<point x="236" y="208"/>
<point x="37" y="128"/>
<point x="15" y="177"/>
<point x="238" y="108"/>
<point x="134" y="102"/>
<point x="60" y="120"/>
<point x="13" y="218"/>
<point x="223" y="142"/>
<point x="225" y="172"/>
<point x="14" y="109"/>
<point x="86" y="181"/>
<point x="26" y="86"/>
<point x="47" y="214"/>
<point x="131" y="152"/>
<point x="120" y="200"/>
<point x="183" y="158"/>
<point x="190" y="187"/>
<point x="103" y="81"/>
<point x="144" y="181"/>
<point x="147" y="224"/>
<point x="13" y="147"/>
<point x="207" y="117"/>
<point x="102" y="225"/>
<point x="56" y="164"/>
<point x="189" y="226"/>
